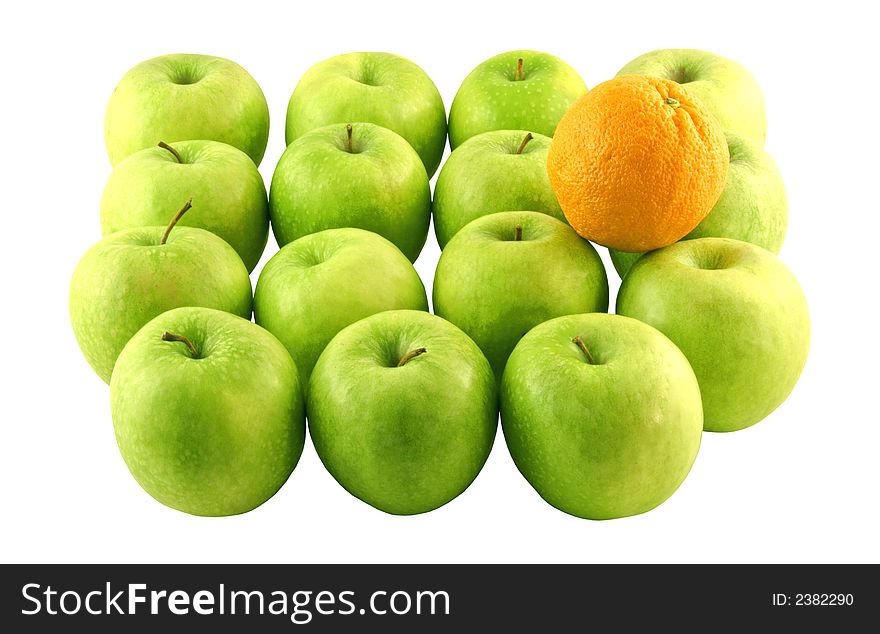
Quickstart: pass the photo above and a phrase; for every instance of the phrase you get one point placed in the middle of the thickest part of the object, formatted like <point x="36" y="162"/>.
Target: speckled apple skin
<point x="213" y="434"/>
<point x="603" y="438"/>
<point x="128" y="278"/>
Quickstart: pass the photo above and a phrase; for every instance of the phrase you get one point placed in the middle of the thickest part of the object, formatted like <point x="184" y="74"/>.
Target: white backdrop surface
<point x="800" y="486"/>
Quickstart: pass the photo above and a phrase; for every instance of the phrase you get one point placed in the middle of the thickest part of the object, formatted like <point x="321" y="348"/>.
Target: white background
<point x="800" y="486"/>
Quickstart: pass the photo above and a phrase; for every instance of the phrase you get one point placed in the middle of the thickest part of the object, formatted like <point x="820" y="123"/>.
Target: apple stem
<point x="167" y="336"/>
<point x="672" y="101"/>
<point x="348" y="130"/>
<point x="524" y="143"/>
<point x="186" y="207"/>
<point x="519" y="69"/>
<point x="579" y="342"/>
<point x="176" y="154"/>
<point x="410" y="355"/>
<point x="517" y="233"/>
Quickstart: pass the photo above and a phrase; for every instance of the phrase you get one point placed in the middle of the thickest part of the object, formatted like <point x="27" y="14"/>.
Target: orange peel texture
<point x="637" y="163"/>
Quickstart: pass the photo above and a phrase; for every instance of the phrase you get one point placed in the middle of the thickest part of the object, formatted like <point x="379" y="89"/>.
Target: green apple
<point x="502" y="170"/>
<point x="753" y="206"/>
<point x="319" y="284"/>
<point x="208" y="411"/>
<point x="402" y="409"/>
<point x="725" y="87"/>
<point x="182" y="97"/>
<point x="736" y="312"/>
<point x="381" y="88"/>
<point x="505" y="273"/>
<point x="601" y="414"/>
<point x="516" y="90"/>
<point x="351" y="175"/>
<point x="227" y="190"/>
<point x="133" y="275"/>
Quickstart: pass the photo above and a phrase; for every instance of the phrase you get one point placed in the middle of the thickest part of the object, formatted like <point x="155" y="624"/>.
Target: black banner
<point x="433" y="598"/>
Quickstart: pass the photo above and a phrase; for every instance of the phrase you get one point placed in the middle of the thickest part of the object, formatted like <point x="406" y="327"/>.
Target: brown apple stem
<point x="579" y="342"/>
<point x="672" y="101"/>
<point x="186" y="207"/>
<point x="517" y="233"/>
<point x="167" y="336"/>
<point x="348" y="130"/>
<point x="176" y="154"/>
<point x="519" y="69"/>
<point x="410" y="355"/>
<point x="524" y="143"/>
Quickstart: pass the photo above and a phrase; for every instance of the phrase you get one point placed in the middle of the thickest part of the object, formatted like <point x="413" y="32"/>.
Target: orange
<point x="637" y="163"/>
